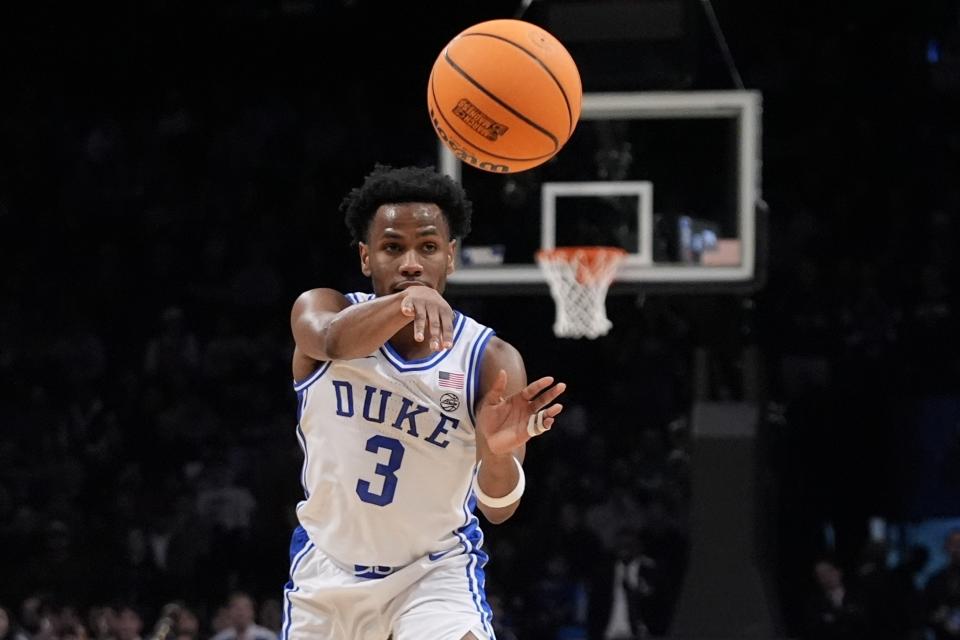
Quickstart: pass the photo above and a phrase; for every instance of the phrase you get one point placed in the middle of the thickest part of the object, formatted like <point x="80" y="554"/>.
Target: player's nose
<point x="410" y="266"/>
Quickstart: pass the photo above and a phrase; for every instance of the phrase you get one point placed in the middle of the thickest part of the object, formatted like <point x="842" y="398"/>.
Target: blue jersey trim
<point x="306" y="459"/>
<point x="302" y="439"/>
<point x="300" y="545"/>
<point x="471" y="537"/>
<point x="422" y="364"/>
<point x="473" y="372"/>
<point x="298" y="540"/>
<point x="356" y="297"/>
<point x="313" y="377"/>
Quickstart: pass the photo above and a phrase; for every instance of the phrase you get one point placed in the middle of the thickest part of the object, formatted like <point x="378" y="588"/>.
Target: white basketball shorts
<point x="439" y="597"/>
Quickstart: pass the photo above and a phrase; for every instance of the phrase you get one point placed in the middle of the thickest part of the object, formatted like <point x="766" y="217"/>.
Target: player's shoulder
<point x="326" y="298"/>
<point x="500" y="354"/>
<point x="312" y="297"/>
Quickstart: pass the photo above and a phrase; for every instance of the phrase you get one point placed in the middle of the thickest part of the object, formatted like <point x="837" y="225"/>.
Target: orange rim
<point x="590" y="259"/>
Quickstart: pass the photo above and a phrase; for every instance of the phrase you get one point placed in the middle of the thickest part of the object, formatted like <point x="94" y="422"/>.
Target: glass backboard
<point x="671" y="177"/>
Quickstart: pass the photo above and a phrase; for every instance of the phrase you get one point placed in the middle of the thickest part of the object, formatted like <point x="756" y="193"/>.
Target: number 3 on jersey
<point x="388" y="471"/>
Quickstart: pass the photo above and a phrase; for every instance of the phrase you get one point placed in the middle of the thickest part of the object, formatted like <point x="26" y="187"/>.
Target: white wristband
<point x="506" y="500"/>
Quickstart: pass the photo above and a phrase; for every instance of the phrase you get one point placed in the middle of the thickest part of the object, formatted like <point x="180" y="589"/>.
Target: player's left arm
<point x="506" y="403"/>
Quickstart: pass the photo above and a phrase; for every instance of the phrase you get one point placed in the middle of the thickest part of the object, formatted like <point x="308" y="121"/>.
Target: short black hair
<point x="386" y="184"/>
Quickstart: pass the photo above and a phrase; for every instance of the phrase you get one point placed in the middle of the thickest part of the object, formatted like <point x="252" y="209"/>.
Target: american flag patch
<point x="451" y="380"/>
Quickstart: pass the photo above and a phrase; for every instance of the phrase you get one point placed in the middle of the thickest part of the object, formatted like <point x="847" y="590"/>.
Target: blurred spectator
<point x="57" y="568"/>
<point x="666" y="542"/>
<point x="172" y="355"/>
<point x="180" y="541"/>
<point x="187" y="424"/>
<point x="834" y="612"/>
<point x="621" y="589"/>
<point x="240" y="621"/>
<point x="557" y="600"/>
<point x="943" y="593"/>
<point x="69" y="625"/>
<point x="220" y="621"/>
<point x="271" y="614"/>
<point x="187" y="625"/>
<point x="101" y="621"/>
<point x="907" y="595"/>
<point x="226" y="504"/>
<point x="227" y="509"/>
<point x="622" y="508"/>
<point x="35" y="615"/>
<point x="129" y="623"/>
<point x="8" y="628"/>
<point x="136" y="574"/>
<point x="257" y="285"/>
<point x="502" y="621"/>
<point x="572" y="538"/>
<point x="886" y="607"/>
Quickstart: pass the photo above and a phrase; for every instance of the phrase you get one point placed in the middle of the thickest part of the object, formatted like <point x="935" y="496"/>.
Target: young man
<point x="410" y="415"/>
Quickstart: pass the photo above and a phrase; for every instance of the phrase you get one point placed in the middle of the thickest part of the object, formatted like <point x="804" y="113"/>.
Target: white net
<point x="579" y="278"/>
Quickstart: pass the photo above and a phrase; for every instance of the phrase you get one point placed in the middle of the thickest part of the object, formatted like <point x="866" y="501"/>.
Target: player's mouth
<point x="406" y="284"/>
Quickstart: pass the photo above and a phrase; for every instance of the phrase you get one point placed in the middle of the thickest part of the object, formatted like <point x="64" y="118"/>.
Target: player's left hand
<point x="503" y="421"/>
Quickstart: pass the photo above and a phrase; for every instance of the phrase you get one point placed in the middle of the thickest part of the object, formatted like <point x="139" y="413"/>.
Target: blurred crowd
<point x="47" y="618"/>
<point x="884" y="601"/>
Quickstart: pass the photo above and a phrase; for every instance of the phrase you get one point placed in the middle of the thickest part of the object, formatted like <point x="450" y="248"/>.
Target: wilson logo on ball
<point x="463" y="154"/>
<point x="478" y="120"/>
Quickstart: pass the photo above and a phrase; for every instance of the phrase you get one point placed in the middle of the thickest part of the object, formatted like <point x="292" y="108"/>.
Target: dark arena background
<point x="779" y="459"/>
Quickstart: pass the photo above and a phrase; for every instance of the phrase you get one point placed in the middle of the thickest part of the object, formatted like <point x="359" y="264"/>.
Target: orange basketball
<point x="504" y="96"/>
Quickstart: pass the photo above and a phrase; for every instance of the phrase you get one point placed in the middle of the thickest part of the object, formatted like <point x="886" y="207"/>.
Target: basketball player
<point x="410" y="415"/>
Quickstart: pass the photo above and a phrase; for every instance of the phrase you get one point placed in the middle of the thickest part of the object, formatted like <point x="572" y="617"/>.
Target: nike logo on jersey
<point x="436" y="556"/>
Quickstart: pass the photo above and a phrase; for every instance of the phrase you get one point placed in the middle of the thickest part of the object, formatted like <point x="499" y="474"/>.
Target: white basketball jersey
<point x="390" y="453"/>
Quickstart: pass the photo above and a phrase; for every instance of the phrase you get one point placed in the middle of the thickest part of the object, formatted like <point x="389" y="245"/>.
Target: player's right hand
<point x="432" y="316"/>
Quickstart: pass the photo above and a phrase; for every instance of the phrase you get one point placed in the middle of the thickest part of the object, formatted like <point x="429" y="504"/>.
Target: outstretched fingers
<point x="549" y="395"/>
<point x="551" y="412"/>
<point x="549" y="415"/>
<point x="531" y="390"/>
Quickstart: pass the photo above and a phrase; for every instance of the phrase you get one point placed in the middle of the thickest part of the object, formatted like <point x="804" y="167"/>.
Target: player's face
<point x="408" y="244"/>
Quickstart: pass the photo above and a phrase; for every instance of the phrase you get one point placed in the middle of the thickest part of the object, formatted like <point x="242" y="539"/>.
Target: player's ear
<point x="364" y="258"/>
<point x="451" y="255"/>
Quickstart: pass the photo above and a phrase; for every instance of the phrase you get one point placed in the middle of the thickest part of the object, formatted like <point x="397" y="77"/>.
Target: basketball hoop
<point x="579" y="278"/>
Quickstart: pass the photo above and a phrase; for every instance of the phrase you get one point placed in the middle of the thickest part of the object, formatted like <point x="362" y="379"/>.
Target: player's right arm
<point x="327" y="327"/>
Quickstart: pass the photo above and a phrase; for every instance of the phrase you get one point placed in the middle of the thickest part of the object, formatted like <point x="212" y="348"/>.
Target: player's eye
<point x="391" y="247"/>
<point x="430" y="247"/>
